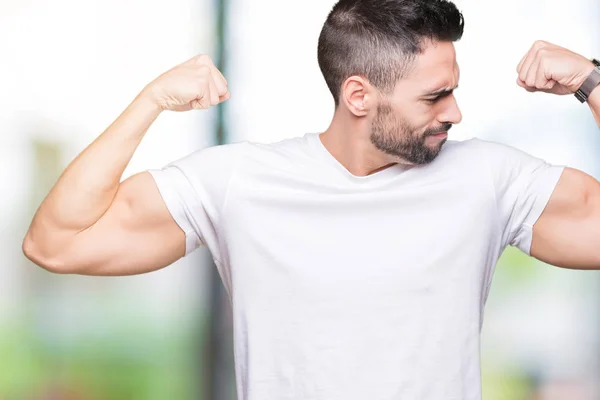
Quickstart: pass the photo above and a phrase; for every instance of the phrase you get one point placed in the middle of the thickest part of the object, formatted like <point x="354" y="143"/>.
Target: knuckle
<point x="203" y="59"/>
<point x="204" y="70"/>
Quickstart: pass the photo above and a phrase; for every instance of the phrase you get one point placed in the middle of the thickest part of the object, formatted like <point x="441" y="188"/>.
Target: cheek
<point x="421" y="118"/>
<point x="417" y="116"/>
<point x="429" y="110"/>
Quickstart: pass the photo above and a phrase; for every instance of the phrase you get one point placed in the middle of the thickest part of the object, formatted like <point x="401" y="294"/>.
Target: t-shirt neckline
<point x="314" y="141"/>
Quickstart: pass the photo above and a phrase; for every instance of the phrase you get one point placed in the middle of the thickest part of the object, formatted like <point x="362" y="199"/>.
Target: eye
<point x="438" y="98"/>
<point x="432" y="101"/>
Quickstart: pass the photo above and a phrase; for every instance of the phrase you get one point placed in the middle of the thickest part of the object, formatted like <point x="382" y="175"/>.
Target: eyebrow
<point x="440" y="92"/>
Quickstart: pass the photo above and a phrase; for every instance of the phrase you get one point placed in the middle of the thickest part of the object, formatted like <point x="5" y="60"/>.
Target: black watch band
<point x="590" y="83"/>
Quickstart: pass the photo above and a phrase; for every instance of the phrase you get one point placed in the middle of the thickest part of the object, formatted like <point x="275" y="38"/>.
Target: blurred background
<point x="67" y="70"/>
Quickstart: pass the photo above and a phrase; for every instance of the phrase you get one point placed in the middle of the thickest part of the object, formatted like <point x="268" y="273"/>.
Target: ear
<point x="358" y="94"/>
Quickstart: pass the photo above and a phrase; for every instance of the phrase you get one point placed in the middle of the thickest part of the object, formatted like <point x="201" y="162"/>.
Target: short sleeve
<point x="195" y="190"/>
<point x="524" y="185"/>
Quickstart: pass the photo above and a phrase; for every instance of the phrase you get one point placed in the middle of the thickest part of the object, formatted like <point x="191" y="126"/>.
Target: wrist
<point x="594" y="99"/>
<point x="589" y="81"/>
<point x="150" y="99"/>
<point x="594" y="104"/>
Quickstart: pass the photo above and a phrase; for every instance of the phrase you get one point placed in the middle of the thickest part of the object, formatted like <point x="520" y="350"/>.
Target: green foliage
<point x="166" y="367"/>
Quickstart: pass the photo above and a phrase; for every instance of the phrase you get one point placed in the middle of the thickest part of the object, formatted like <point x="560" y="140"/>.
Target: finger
<point x="195" y="104"/>
<point x="524" y="72"/>
<point x="225" y="97"/>
<point x="524" y="85"/>
<point x="202" y="59"/>
<point x="541" y="81"/>
<point x="552" y="84"/>
<point x="532" y="77"/>
<point x="521" y="62"/>
<point x="222" y="77"/>
<point x="220" y="81"/>
<point x="213" y="92"/>
<point x="202" y="102"/>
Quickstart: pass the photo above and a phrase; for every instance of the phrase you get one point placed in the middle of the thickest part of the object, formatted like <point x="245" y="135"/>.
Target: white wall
<point x="67" y="69"/>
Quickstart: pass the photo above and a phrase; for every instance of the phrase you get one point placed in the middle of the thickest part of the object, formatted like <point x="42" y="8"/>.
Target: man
<point x="358" y="261"/>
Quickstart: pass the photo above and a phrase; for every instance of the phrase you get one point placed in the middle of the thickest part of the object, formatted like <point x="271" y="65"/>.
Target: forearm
<point x="594" y="103"/>
<point x="88" y="185"/>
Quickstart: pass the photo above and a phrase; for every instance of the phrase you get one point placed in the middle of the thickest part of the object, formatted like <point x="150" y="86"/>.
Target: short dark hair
<point x="379" y="39"/>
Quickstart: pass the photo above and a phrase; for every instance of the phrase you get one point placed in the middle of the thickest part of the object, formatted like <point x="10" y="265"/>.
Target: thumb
<point x="225" y="97"/>
<point x="200" y="103"/>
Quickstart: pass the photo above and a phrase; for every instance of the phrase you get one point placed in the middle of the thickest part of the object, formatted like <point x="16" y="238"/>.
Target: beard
<point x="396" y="137"/>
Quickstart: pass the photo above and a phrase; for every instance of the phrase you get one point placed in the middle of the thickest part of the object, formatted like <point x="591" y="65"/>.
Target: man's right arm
<point x="136" y="235"/>
<point x="92" y="224"/>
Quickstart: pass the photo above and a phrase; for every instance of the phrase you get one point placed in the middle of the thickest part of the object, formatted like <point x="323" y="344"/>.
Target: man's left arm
<point x="567" y="234"/>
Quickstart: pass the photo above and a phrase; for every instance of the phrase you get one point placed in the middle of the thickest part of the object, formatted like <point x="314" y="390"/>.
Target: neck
<point x="348" y="140"/>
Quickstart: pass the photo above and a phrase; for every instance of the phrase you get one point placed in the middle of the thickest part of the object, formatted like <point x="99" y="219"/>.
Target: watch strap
<point x="590" y="83"/>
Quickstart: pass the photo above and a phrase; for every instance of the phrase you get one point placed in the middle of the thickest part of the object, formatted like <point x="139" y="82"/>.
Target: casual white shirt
<point x="353" y="288"/>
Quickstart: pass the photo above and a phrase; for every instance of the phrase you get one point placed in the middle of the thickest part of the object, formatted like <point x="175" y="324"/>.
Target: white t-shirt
<point x="354" y="288"/>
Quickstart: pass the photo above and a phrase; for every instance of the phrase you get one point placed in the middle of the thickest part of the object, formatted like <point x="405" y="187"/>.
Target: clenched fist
<point x="193" y="85"/>
<point x="550" y="68"/>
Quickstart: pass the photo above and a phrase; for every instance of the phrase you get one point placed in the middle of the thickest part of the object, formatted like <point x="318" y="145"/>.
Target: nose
<point x="451" y="113"/>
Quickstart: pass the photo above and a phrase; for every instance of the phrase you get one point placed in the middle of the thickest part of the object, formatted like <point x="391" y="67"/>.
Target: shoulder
<point x="215" y="153"/>
<point x="487" y="160"/>
<point x="486" y="151"/>
<point x="475" y="145"/>
<point x="218" y="158"/>
<point x="224" y="161"/>
<point x="250" y="148"/>
<point x="286" y="146"/>
<point x="283" y="154"/>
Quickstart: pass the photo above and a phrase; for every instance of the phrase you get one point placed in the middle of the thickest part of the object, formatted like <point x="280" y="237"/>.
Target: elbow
<point x="42" y="258"/>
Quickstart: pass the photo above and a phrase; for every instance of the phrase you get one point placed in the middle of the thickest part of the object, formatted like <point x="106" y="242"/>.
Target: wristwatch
<point x="590" y="83"/>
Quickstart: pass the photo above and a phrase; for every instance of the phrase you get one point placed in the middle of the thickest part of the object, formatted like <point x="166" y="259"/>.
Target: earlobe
<point x="359" y="107"/>
<point x="356" y="104"/>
